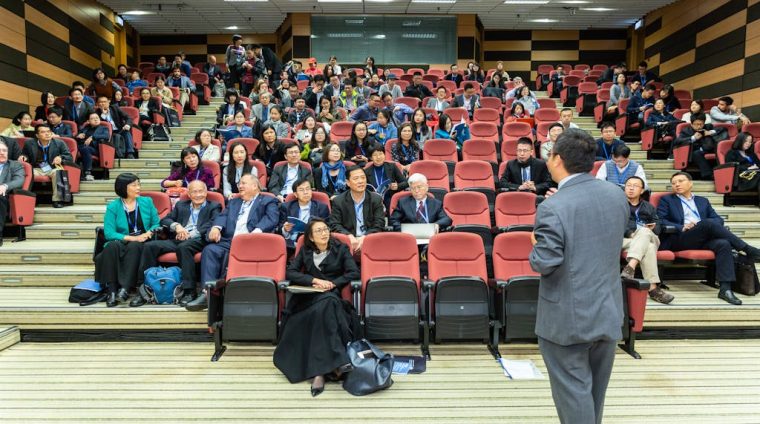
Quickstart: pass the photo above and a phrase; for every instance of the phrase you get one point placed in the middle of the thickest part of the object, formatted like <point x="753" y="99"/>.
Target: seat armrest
<point x="213" y="284"/>
<point x="501" y="284"/>
<point x="727" y="165"/>
<point x="427" y="285"/>
<point x="283" y="285"/>
<point x="356" y="286"/>
<point x="669" y="229"/>
<point x="636" y="283"/>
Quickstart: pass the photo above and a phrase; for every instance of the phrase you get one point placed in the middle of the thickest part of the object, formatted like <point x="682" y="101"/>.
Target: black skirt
<point x="316" y="330"/>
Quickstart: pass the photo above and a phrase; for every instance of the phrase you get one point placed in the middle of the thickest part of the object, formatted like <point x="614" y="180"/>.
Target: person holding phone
<point x="641" y="240"/>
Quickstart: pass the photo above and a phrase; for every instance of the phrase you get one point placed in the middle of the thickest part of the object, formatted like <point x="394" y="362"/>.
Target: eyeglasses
<point x="304" y="190"/>
<point x="321" y="230"/>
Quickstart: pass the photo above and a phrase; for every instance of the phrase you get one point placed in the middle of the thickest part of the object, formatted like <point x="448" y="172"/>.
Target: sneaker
<point x="628" y="272"/>
<point x="661" y="296"/>
<point x="89" y="177"/>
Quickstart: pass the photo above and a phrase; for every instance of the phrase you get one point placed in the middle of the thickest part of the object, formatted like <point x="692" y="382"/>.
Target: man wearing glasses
<point x="641" y="240"/>
<point x="295" y="214"/>
<point x="526" y="173"/>
<point x="357" y="212"/>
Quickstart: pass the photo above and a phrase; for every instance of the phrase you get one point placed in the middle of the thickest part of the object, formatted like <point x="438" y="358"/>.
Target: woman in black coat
<point x="316" y="327"/>
<point x="742" y="152"/>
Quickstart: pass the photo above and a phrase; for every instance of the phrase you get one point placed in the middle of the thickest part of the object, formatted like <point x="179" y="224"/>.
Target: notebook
<point x="422" y="232"/>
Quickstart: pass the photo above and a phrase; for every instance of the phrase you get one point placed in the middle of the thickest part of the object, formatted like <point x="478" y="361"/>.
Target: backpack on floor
<point x="85" y="291"/>
<point x="158" y="132"/>
<point x="162" y="285"/>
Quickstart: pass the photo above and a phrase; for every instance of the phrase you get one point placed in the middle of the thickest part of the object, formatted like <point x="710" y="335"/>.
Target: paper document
<point x="305" y="289"/>
<point x="520" y="369"/>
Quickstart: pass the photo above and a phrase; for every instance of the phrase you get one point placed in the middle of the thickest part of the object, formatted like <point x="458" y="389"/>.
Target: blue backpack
<point x="162" y="285"/>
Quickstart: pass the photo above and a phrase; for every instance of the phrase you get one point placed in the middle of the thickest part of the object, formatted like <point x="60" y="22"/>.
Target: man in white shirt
<point x="283" y="176"/>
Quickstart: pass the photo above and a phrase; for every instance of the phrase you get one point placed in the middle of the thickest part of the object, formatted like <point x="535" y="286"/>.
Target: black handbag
<point x="371" y="371"/>
<point x="746" y="276"/>
<point x="63" y="185"/>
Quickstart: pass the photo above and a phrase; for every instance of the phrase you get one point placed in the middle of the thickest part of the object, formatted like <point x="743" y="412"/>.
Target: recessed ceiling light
<point x="544" y="20"/>
<point x="339" y="1"/>
<point x="597" y="9"/>
<point x="233" y="27"/>
<point x="379" y="37"/>
<point x="137" y="12"/>
<point x="435" y="1"/>
<point x="247" y="0"/>
<point x="526" y="1"/>
<point x="574" y="1"/>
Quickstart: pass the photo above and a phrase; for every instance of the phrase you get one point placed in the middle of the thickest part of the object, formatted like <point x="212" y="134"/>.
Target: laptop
<point x="422" y="232"/>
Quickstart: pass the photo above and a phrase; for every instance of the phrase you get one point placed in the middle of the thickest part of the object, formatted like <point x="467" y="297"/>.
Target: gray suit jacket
<point x="579" y="232"/>
<point x="257" y="109"/>
<point x="12" y="175"/>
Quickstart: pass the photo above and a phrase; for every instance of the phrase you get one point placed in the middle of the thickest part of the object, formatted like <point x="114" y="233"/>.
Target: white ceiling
<point x="213" y="16"/>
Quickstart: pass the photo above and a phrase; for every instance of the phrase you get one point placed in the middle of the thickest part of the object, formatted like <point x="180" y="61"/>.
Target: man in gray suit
<point x="577" y="241"/>
<point x="11" y="178"/>
<point x="261" y="110"/>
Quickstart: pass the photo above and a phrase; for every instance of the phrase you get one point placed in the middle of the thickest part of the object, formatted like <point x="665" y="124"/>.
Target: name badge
<point x="45" y="167"/>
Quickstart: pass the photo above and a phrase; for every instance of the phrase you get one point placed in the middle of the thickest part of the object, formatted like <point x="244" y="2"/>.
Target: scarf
<point x="340" y="182"/>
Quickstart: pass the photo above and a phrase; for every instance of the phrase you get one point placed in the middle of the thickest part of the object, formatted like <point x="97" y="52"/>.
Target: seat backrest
<point x="517" y="129"/>
<point x="390" y="254"/>
<point x="457" y="114"/>
<point x="587" y="88"/>
<point x="486" y="114"/>
<point x="161" y="201"/>
<point x="752" y="128"/>
<point x="473" y="173"/>
<point x="655" y="197"/>
<point x="435" y="171"/>
<point x="257" y="255"/>
<point x="576" y="73"/>
<point x="487" y="130"/>
<point x="201" y="78"/>
<point x="571" y="81"/>
<point x="606" y="85"/>
<point x="547" y="103"/>
<point x="316" y="196"/>
<point x="479" y="149"/>
<point x="546" y="115"/>
<point x="597" y="164"/>
<point x="451" y="86"/>
<point x="542" y="130"/>
<point x="28" y="176"/>
<point x="510" y="255"/>
<point x="599" y="67"/>
<point x="71" y="144"/>
<point x="508" y="151"/>
<point x="723" y="148"/>
<point x="340" y="131"/>
<point x="515" y="208"/>
<point x="581" y="67"/>
<point x="412" y="102"/>
<point x="215" y="171"/>
<point x="545" y="69"/>
<point x="456" y="255"/>
<point x="467" y="207"/>
<point x="251" y="144"/>
<point x="440" y="149"/>
<point x="490" y="103"/>
<point x="679" y="113"/>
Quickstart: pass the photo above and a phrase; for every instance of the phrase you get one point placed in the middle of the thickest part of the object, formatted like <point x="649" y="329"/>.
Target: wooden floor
<point x="675" y="382"/>
<point x="47" y="308"/>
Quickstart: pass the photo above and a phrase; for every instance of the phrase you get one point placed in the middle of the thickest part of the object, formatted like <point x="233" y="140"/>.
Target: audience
<point x="619" y="91"/>
<point x="299" y="112"/>
<point x="312" y="150"/>
<point x="206" y="150"/>
<point x="188" y="223"/>
<point x="282" y="178"/>
<point x="727" y="112"/>
<point x="185" y="85"/>
<point x="11" y="178"/>
<point x="419" y="208"/>
<point x="135" y="82"/>
<point x="517" y="112"/>
<point x="645" y="76"/>
<point x="349" y="99"/>
<point x="311" y="346"/>
<point x="554" y="132"/>
<point x="330" y="177"/>
<point x="281" y="128"/>
<point x="528" y="100"/>
<point x="252" y="212"/>
<point x="162" y="91"/>
<point x="357" y="212"/>
<point x="129" y="222"/>
<point x="383" y="130"/>
<point x="698" y="226"/>
<point x="641" y="239"/>
<point x="368" y="111"/>
<point x="639" y="103"/>
<point x="47" y="101"/>
<point x="747" y="170"/>
<point x="21" y="123"/>
<point x="390" y="86"/>
<point x="417" y="89"/>
<point x="327" y="112"/>
<point x="440" y="101"/>
<point x="358" y="145"/>
<point x="385" y="178"/>
<point x="695" y="107"/>
<point x="526" y="173"/>
<point x="668" y="96"/>
<point x="558" y="78"/>
<point x="77" y="109"/>
<point x="703" y="140"/>
<point x="55" y="120"/>
<point x="454" y="75"/>
<point x="263" y="109"/>
<point x="190" y="169"/>
<point x="566" y="119"/>
<point x="238" y="166"/>
<point x="89" y="137"/>
<point x="121" y="127"/>
<point x="662" y="121"/>
<point x="422" y="132"/>
<point x="303" y="135"/>
<point x="494" y="88"/>
<point x="46" y="154"/>
<point x="608" y="142"/>
<point x="467" y="100"/>
<point x="101" y="85"/>
<point x="215" y="74"/>
<point x="619" y="169"/>
<point x="406" y="150"/>
<point x="475" y="73"/>
<point x="162" y="66"/>
<point x="271" y="150"/>
<point x="303" y="208"/>
<point x="146" y="107"/>
<point x="234" y="57"/>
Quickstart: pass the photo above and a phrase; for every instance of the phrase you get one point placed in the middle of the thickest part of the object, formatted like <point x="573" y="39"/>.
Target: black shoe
<point x="57" y="205"/>
<point x="730" y="297"/>
<point x="753" y="253"/>
<point x="317" y="386"/>
<point x="111" y="301"/>
<point x="137" y="301"/>
<point x="186" y="298"/>
<point x="123" y="295"/>
<point x="198" y="304"/>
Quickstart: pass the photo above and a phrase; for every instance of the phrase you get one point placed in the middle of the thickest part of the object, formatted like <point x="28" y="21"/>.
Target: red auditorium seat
<point x="469" y="213"/>
<point x="458" y="292"/>
<point x="22" y="202"/>
<point x="542" y="79"/>
<point x="391" y="289"/>
<point x="201" y="80"/>
<point x="412" y="102"/>
<point x="546" y="115"/>
<point x="137" y="134"/>
<point x="74" y="171"/>
<point x="517" y="284"/>
<point x="542" y="131"/>
<point x="490" y="103"/>
<point x="586" y="100"/>
<point x="515" y="130"/>
<point x="515" y="211"/>
<point x="569" y="90"/>
<point x="485" y="114"/>
<point x="261" y="171"/>
<point x="161" y="201"/>
<point x="247" y="307"/>
<point x="508" y="152"/>
<point x="216" y="171"/>
<point x="450" y="86"/>
<point x="480" y="149"/>
<point x="597" y="164"/>
<point x="340" y="131"/>
<point x="602" y="97"/>
<point x="475" y="175"/>
<point x="621" y="122"/>
<point x="457" y="114"/>
<point x="547" y="103"/>
<point x="581" y="67"/>
<point x="726" y="173"/>
<point x="486" y="130"/>
<point x="436" y="173"/>
<point x="171" y="258"/>
<point x="599" y="67"/>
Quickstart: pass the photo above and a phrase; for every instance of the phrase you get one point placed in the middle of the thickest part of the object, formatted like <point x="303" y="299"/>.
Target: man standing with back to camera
<point x="577" y="239"/>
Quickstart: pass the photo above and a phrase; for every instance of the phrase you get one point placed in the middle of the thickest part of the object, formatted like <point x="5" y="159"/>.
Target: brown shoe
<point x="628" y="272"/>
<point x="661" y="296"/>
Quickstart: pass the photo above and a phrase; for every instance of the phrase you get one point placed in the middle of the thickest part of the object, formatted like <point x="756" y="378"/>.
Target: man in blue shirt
<point x="606" y="145"/>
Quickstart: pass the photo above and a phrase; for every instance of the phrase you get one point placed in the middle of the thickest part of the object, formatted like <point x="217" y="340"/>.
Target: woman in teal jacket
<point x="128" y="223"/>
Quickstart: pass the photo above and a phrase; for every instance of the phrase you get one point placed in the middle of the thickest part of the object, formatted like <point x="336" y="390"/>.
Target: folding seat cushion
<point x="517" y="283"/>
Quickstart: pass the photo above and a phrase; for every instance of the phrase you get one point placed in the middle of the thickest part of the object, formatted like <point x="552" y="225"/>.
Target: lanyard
<point x="525" y="173"/>
<point x="606" y="153"/>
<point x="749" y="159"/>
<point x="358" y="211"/>
<point x="136" y="211"/>
<point x="380" y="179"/>
<point x="636" y="212"/>
<point x="621" y="177"/>
<point x="197" y="174"/>
<point x="245" y="207"/>
<point x="201" y="152"/>
<point x="195" y="214"/>
<point x="692" y="210"/>
<point x="44" y="151"/>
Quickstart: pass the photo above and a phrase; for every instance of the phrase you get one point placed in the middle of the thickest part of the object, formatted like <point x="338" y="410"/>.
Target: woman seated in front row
<point x="316" y="327"/>
<point x="128" y="223"/>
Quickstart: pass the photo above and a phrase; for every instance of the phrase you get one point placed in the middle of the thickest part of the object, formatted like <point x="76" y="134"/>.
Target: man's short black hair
<point x="291" y="145"/>
<point x="56" y="110"/>
<point x="556" y="124"/>
<point x="386" y="94"/>
<point x="297" y="98"/>
<point x="298" y="183"/>
<point x="650" y="87"/>
<point x="121" y="183"/>
<point x="255" y="46"/>
<point x="348" y="81"/>
<point x="698" y="117"/>
<point x="351" y="169"/>
<point x="468" y="86"/>
<point x="727" y="100"/>
<point x="40" y="126"/>
<point x="318" y="78"/>
<point x="606" y="125"/>
<point x="566" y="109"/>
<point x="644" y="64"/>
<point x="73" y="89"/>
<point x="77" y="84"/>
<point x="418" y="73"/>
<point x="525" y="140"/>
<point x="685" y="174"/>
<point x="373" y="94"/>
<point x="621" y="150"/>
<point x="633" y="177"/>
<point x="102" y="96"/>
<point x="577" y="149"/>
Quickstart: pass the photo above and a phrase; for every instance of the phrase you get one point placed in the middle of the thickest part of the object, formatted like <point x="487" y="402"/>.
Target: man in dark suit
<point x="580" y="304"/>
<point x="299" y="113"/>
<point x="55" y="120"/>
<point x="698" y="226"/>
<point x="44" y="154"/>
<point x="77" y="109"/>
<point x="558" y="78"/>
<point x="303" y="207"/>
<point x="526" y="173"/>
<point x="417" y="89"/>
<point x="313" y="93"/>
<point x="213" y="71"/>
<point x="121" y="126"/>
<point x="357" y="212"/>
<point x="271" y="62"/>
<point x="252" y="212"/>
<point x="333" y="89"/>
<point x="189" y="221"/>
<point x="468" y="100"/>
<point x="703" y="139"/>
<point x="454" y="75"/>
<point x="283" y="176"/>
<point x="11" y="178"/>
<point x="14" y="151"/>
<point x="419" y="208"/>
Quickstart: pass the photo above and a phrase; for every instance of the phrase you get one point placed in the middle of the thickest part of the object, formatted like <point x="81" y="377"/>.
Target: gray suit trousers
<point x="579" y="375"/>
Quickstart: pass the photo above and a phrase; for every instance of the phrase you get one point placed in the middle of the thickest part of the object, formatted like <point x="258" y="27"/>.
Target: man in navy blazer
<point x="700" y="227"/>
<point x="252" y="212"/>
<point x="410" y="211"/>
<point x="303" y="207"/>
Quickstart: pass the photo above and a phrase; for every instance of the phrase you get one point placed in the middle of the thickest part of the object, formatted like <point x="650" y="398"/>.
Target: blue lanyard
<point x="749" y="159"/>
<point x="604" y="149"/>
<point x="636" y="212"/>
<point x="694" y="211"/>
<point x="136" y="211"/>
<point x="407" y="154"/>
<point x="358" y="210"/>
<point x="621" y="177"/>
<point x="44" y="151"/>
<point x="201" y="152"/>
<point x="197" y="174"/>
<point x="195" y="214"/>
<point x="380" y="179"/>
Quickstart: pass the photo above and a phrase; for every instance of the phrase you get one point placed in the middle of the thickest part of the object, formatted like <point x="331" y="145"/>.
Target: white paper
<point x="520" y="369"/>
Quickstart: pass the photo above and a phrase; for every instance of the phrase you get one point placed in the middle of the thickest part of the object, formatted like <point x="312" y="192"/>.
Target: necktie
<point x="525" y="174"/>
<point x="265" y="113"/>
<point x="420" y="212"/>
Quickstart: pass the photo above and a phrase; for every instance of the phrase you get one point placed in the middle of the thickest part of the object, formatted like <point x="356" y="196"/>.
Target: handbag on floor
<point x="63" y="185"/>
<point x="371" y="371"/>
<point x="746" y="282"/>
<point x="159" y="133"/>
